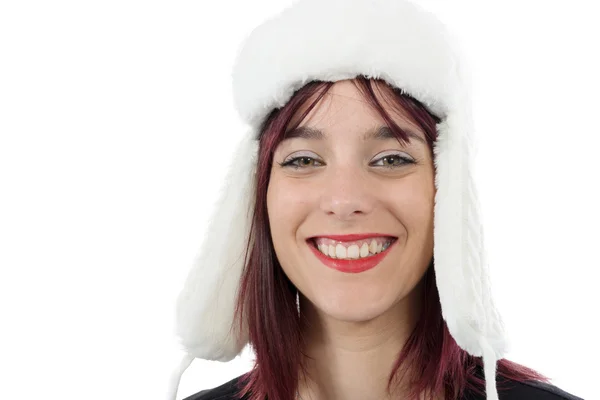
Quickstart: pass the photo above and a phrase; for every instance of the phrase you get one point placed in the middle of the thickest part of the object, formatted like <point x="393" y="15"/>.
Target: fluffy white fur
<point x="332" y="40"/>
<point x="205" y="309"/>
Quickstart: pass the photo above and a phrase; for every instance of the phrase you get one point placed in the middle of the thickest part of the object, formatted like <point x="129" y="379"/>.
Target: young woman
<point x="346" y="248"/>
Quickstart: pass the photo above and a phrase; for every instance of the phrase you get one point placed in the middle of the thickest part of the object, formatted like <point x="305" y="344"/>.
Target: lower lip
<point x="352" y="266"/>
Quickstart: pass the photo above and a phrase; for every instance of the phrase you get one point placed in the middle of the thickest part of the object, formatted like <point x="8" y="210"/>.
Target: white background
<point x="117" y="123"/>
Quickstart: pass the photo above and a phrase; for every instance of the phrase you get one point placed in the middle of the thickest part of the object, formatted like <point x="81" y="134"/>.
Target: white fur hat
<point x="331" y="40"/>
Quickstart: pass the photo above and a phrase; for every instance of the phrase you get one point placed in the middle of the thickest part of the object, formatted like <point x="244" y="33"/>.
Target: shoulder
<point x="226" y="391"/>
<point x="532" y="390"/>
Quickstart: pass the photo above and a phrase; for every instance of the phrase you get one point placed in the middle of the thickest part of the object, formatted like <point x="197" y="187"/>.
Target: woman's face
<point x="349" y="185"/>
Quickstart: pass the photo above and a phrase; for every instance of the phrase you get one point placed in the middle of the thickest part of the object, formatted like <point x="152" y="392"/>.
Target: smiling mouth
<point x="352" y="265"/>
<point x="362" y="249"/>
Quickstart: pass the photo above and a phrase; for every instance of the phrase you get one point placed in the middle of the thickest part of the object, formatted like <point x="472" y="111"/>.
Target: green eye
<point x="392" y="157"/>
<point x="303" y="161"/>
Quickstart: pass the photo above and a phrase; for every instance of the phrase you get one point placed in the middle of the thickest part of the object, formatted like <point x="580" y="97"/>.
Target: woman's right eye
<point x="302" y="162"/>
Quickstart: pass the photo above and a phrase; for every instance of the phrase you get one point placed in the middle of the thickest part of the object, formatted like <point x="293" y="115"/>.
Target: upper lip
<point x="355" y="236"/>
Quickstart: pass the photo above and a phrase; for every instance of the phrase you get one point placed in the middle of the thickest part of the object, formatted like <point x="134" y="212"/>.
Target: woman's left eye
<point x="402" y="160"/>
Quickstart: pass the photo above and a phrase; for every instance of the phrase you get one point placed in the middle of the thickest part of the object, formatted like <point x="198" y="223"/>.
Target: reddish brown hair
<point x="267" y="298"/>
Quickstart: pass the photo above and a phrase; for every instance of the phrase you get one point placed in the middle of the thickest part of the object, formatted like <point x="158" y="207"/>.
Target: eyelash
<point x="406" y="161"/>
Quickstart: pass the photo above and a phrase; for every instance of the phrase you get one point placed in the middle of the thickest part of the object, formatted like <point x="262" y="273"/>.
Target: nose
<point x="347" y="193"/>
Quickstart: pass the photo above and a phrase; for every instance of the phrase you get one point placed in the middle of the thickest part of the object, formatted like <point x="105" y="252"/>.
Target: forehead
<point x="342" y="95"/>
<point x="345" y="108"/>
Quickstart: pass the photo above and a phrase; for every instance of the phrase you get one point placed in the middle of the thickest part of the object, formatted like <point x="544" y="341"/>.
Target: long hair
<point x="266" y="299"/>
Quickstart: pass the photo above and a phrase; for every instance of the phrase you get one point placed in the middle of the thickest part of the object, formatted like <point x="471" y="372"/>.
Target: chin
<point x="352" y="307"/>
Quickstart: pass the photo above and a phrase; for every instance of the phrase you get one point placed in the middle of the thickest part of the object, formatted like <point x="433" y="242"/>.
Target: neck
<point x="352" y="360"/>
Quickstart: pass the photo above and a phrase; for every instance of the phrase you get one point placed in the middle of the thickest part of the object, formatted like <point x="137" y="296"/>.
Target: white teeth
<point x="331" y="251"/>
<point x="373" y="246"/>
<point x="340" y="251"/>
<point x="364" y="250"/>
<point x="353" y="252"/>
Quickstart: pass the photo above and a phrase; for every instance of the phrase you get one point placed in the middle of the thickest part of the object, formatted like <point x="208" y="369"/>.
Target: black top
<point x="507" y="390"/>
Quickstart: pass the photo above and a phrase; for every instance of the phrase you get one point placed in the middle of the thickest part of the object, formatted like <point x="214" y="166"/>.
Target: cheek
<point x="284" y="206"/>
<point x="413" y="200"/>
<point x="420" y="201"/>
<point x="286" y="213"/>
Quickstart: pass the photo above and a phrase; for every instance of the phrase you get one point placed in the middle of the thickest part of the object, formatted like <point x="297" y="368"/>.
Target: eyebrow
<point x="381" y="133"/>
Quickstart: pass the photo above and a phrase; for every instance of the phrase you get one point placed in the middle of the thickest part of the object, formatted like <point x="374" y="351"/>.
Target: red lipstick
<point x="351" y="266"/>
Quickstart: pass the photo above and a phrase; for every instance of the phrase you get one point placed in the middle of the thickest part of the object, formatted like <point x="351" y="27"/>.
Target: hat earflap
<point x="205" y="307"/>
